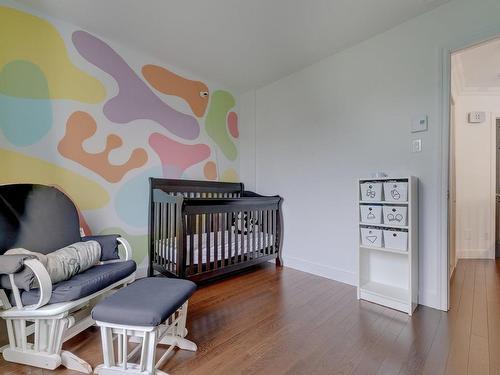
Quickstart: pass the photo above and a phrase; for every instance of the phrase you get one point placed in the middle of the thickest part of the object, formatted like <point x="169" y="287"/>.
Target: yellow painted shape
<point x="230" y="175"/>
<point x="16" y="168"/>
<point x="31" y="38"/>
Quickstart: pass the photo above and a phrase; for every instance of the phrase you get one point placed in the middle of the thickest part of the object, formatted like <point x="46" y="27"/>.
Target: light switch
<point x="419" y="123"/>
<point x="416" y="145"/>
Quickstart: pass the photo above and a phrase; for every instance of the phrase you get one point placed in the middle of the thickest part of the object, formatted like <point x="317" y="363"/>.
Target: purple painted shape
<point x="135" y="100"/>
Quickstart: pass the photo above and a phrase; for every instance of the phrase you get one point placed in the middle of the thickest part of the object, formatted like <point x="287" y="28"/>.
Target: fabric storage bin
<point x="396" y="191"/>
<point x="371" y="191"/>
<point x="371" y="214"/>
<point x="394" y="239"/>
<point x="371" y="237"/>
<point x="395" y="215"/>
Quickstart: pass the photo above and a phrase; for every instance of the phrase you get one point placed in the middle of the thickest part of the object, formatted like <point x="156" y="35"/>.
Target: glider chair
<point x="41" y="315"/>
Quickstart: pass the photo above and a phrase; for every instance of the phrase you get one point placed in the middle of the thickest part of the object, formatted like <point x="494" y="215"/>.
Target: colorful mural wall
<point x="97" y="120"/>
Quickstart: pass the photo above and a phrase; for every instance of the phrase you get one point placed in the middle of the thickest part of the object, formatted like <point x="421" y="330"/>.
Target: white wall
<point x="475" y="177"/>
<point x="319" y="129"/>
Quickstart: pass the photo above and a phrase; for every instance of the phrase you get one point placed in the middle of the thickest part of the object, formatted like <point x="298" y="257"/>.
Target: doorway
<point x="474" y="155"/>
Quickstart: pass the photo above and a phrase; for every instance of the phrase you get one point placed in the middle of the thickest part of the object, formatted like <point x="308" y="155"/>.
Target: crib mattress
<point x="261" y="239"/>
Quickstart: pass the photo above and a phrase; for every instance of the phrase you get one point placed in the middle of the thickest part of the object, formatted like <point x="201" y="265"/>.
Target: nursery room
<point x="249" y="187"/>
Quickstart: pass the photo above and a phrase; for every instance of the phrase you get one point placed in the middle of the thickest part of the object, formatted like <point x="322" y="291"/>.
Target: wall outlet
<point x="416" y="145"/>
<point x="477" y="117"/>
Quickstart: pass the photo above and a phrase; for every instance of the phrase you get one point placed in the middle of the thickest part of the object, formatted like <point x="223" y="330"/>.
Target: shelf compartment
<point x="385" y="250"/>
<point x="386" y="295"/>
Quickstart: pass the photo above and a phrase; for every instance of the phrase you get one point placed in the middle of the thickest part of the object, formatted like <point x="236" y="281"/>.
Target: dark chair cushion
<point x="36" y="217"/>
<point x="109" y="245"/>
<point x="146" y="302"/>
<point x="84" y="284"/>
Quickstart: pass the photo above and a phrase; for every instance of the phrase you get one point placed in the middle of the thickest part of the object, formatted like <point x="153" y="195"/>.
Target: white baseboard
<point x="474" y="254"/>
<point x="333" y="273"/>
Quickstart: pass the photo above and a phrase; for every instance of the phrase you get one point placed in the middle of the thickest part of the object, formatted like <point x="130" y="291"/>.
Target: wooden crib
<point x="199" y="230"/>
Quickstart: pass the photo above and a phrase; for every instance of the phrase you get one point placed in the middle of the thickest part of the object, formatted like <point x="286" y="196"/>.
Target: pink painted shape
<point x="177" y="157"/>
<point x="135" y="100"/>
<point x="232" y="124"/>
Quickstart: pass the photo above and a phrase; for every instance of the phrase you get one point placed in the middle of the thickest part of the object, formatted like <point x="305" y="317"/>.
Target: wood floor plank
<point x="492" y="273"/>
<point x="479" y="347"/>
<point x="458" y="357"/>
<point x="272" y="322"/>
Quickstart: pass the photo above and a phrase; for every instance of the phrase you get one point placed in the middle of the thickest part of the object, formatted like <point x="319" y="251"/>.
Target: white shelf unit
<point x="387" y="276"/>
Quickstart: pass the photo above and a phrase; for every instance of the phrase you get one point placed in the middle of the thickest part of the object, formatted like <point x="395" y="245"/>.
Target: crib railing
<point x="201" y="238"/>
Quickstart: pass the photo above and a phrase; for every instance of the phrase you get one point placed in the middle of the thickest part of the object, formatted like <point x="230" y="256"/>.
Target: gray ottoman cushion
<point x="146" y="302"/>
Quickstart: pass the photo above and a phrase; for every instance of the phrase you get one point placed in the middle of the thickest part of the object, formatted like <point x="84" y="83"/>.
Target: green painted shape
<point x="221" y="103"/>
<point x="23" y="79"/>
<point x="139" y="243"/>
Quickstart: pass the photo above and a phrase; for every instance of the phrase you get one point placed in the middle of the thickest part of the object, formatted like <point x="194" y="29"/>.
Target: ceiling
<point x="242" y="44"/>
<point x="477" y="69"/>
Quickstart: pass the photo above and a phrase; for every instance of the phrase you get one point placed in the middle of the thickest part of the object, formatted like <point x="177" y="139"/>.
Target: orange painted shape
<point x="210" y="171"/>
<point x="80" y="127"/>
<point x="195" y="93"/>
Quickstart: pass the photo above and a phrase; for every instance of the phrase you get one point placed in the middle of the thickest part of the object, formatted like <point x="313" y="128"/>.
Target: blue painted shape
<point x="24" y="121"/>
<point x="132" y="200"/>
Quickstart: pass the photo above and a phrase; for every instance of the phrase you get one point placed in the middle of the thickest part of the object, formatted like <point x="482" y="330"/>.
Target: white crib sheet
<point x="222" y="253"/>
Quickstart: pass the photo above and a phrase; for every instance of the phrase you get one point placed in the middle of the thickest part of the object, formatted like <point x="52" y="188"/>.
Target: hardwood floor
<point x="270" y="321"/>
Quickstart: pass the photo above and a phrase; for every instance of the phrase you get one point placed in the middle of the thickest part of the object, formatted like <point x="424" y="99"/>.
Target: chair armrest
<point x="41" y="274"/>
<point x="44" y="282"/>
<point x="126" y="246"/>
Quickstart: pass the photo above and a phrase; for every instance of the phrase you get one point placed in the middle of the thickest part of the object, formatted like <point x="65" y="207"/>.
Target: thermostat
<point x="419" y="123"/>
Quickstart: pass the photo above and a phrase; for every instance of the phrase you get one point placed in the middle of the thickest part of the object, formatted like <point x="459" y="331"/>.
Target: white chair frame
<point x="50" y="324"/>
<point x="171" y="333"/>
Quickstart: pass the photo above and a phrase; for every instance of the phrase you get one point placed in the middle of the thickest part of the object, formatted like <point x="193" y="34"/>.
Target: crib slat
<point x="216" y="240"/>
<point x="236" y="244"/>
<point x="156" y="225"/>
<point x="274" y="232"/>
<point x="174" y="251"/>
<point x="264" y="232"/>
<point x="167" y="235"/>
<point x="254" y="229"/>
<point x="242" y="237"/>
<point x="208" y="230"/>
<point x="269" y="229"/>
<point x="223" y="240"/>
<point x="200" y="244"/>
<point x="191" y="227"/>
<point x="161" y="223"/>
<point x="248" y="235"/>
<point x="230" y="245"/>
<point x="163" y="234"/>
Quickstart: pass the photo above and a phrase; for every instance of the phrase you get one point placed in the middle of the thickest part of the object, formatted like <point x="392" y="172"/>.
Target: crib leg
<point x="279" y="260"/>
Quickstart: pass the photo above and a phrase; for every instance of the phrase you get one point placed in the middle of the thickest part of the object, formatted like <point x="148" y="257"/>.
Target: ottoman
<point x="148" y="312"/>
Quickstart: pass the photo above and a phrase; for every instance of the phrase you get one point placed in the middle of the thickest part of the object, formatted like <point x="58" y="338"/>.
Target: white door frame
<point x="493" y="180"/>
<point x="446" y="52"/>
<point x="494" y="117"/>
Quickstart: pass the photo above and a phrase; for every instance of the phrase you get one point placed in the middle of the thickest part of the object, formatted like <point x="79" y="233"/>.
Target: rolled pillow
<point x="67" y="262"/>
<point x="109" y="245"/>
<point x="23" y="276"/>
